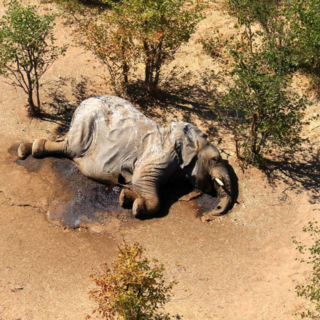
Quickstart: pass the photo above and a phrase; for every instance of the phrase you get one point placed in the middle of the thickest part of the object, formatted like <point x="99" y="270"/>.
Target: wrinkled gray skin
<point x="110" y="138"/>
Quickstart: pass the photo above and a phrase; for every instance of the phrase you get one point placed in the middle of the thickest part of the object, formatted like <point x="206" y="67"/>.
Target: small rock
<point x="17" y="288"/>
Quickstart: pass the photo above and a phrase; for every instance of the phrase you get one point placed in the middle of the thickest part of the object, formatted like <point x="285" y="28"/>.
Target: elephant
<point x="111" y="142"/>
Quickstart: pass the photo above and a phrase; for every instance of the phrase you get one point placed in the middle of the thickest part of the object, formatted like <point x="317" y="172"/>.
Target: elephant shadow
<point x="234" y="183"/>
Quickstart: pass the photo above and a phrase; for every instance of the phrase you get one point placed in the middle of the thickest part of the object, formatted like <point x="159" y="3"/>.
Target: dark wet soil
<point x="31" y="164"/>
<point x="91" y="201"/>
<point x="206" y="203"/>
<point x="84" y="201"/>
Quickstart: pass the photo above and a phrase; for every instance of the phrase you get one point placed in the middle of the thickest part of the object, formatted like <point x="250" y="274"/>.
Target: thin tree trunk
<point x="237" y="150"/>
<point x="254" y="137"/>
<point x="158" y="64"/>
<point x="37" y="87"/>
<point x="38" y="94"/>
<point x="150" y="80"/>
<point x="147" y="63"/>
<point x="148" y="72"/>
<point x="157" y="73"/>
<point x="125" y="70"/>
<point x="33" y="108"/>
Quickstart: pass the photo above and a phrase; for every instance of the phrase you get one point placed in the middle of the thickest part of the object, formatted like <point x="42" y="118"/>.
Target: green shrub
<point x="257" y="107"/>
<point x="133" y="288"/>
<point x="292" y="24"/>
<point x="27" y="48"/>
<point x="249" y="12"/>
<point x="271" y="16"/>
<point x="304" y="19"/>
<point x="311" y="289"/>
<point x="139" y="31"/>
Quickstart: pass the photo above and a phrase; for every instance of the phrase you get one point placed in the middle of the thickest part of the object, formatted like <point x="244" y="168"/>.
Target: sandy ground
<point x="240" y="266"/>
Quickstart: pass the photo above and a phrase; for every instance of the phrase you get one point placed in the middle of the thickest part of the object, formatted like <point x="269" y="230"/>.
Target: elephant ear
<point x="188" y="140"/>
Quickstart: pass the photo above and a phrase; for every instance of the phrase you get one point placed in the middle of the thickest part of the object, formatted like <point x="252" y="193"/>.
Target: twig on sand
<point x="316" y="127"/>
<point x="174" y="300"/>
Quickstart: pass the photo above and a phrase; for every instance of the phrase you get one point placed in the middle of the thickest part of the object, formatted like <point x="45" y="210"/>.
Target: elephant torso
<point x="108" y="136"/>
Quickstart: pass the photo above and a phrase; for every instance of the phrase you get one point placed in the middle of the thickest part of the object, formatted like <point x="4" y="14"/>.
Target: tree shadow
<point x="300" y="169"/>
<point x="60" y="109"/>
<point x="189" y="98"/>
<point x="95" y="3"/>
<point x="167" y="316"/>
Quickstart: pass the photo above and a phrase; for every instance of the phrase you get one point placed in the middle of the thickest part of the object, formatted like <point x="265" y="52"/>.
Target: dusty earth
<point x="239" y="266"/>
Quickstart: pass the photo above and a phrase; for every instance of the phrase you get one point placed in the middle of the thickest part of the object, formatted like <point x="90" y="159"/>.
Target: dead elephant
<point x="110" y="139"/>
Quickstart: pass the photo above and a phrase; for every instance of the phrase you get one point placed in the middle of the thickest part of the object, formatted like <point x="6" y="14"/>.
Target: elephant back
<point x="110" y="134"/>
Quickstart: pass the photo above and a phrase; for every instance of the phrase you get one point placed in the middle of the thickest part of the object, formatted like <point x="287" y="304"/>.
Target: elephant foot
<point x="138" y="208"/>
<point x="123" y="201"/>
<point x="24" y="150"/>
<point x="144" y="207"/>
<point x="127" y="197"/>
<point x="38" y="148"/>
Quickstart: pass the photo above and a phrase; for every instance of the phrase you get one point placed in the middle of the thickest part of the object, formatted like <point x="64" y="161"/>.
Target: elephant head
<point x="202" y="164"/>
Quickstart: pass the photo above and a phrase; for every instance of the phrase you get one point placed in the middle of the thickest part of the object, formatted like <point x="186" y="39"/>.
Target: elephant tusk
<point x="219" y="182"/>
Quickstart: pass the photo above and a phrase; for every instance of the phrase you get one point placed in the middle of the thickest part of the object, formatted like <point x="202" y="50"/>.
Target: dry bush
<point x="132" y="288"/>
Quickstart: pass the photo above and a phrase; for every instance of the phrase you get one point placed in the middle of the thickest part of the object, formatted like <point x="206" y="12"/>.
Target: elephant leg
<point x="146" y="181"/>
<point x="42" y="147"/>
<point x="24" y="150"/>
<point x="127" y="197"/>
<point x="147" y="204"/>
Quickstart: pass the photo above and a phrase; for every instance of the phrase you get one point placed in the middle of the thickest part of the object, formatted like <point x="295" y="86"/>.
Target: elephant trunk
<point x="222" y="183"/>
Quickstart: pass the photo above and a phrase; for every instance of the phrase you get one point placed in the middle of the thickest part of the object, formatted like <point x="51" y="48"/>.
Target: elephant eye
<point x="214" y="160"/>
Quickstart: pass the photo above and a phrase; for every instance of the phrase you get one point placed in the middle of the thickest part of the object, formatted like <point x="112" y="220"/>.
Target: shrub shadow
<point x="190" y="99"/>
<point x="60" y="107"/>
<point x="301" y="169"/>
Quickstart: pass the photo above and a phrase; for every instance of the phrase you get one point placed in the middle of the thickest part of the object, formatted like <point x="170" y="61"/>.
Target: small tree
<point x="258" y="108"/>
<point x="293" y="25"/>
<point x="311" y="288"/>
<point x="147" y="31"/>
<point x="250" y="11"/>
<point x="27" y="48"/>
<point x="304" y="19"/>
<point x="131" y="289"/>
<point x="270" y="15"/>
